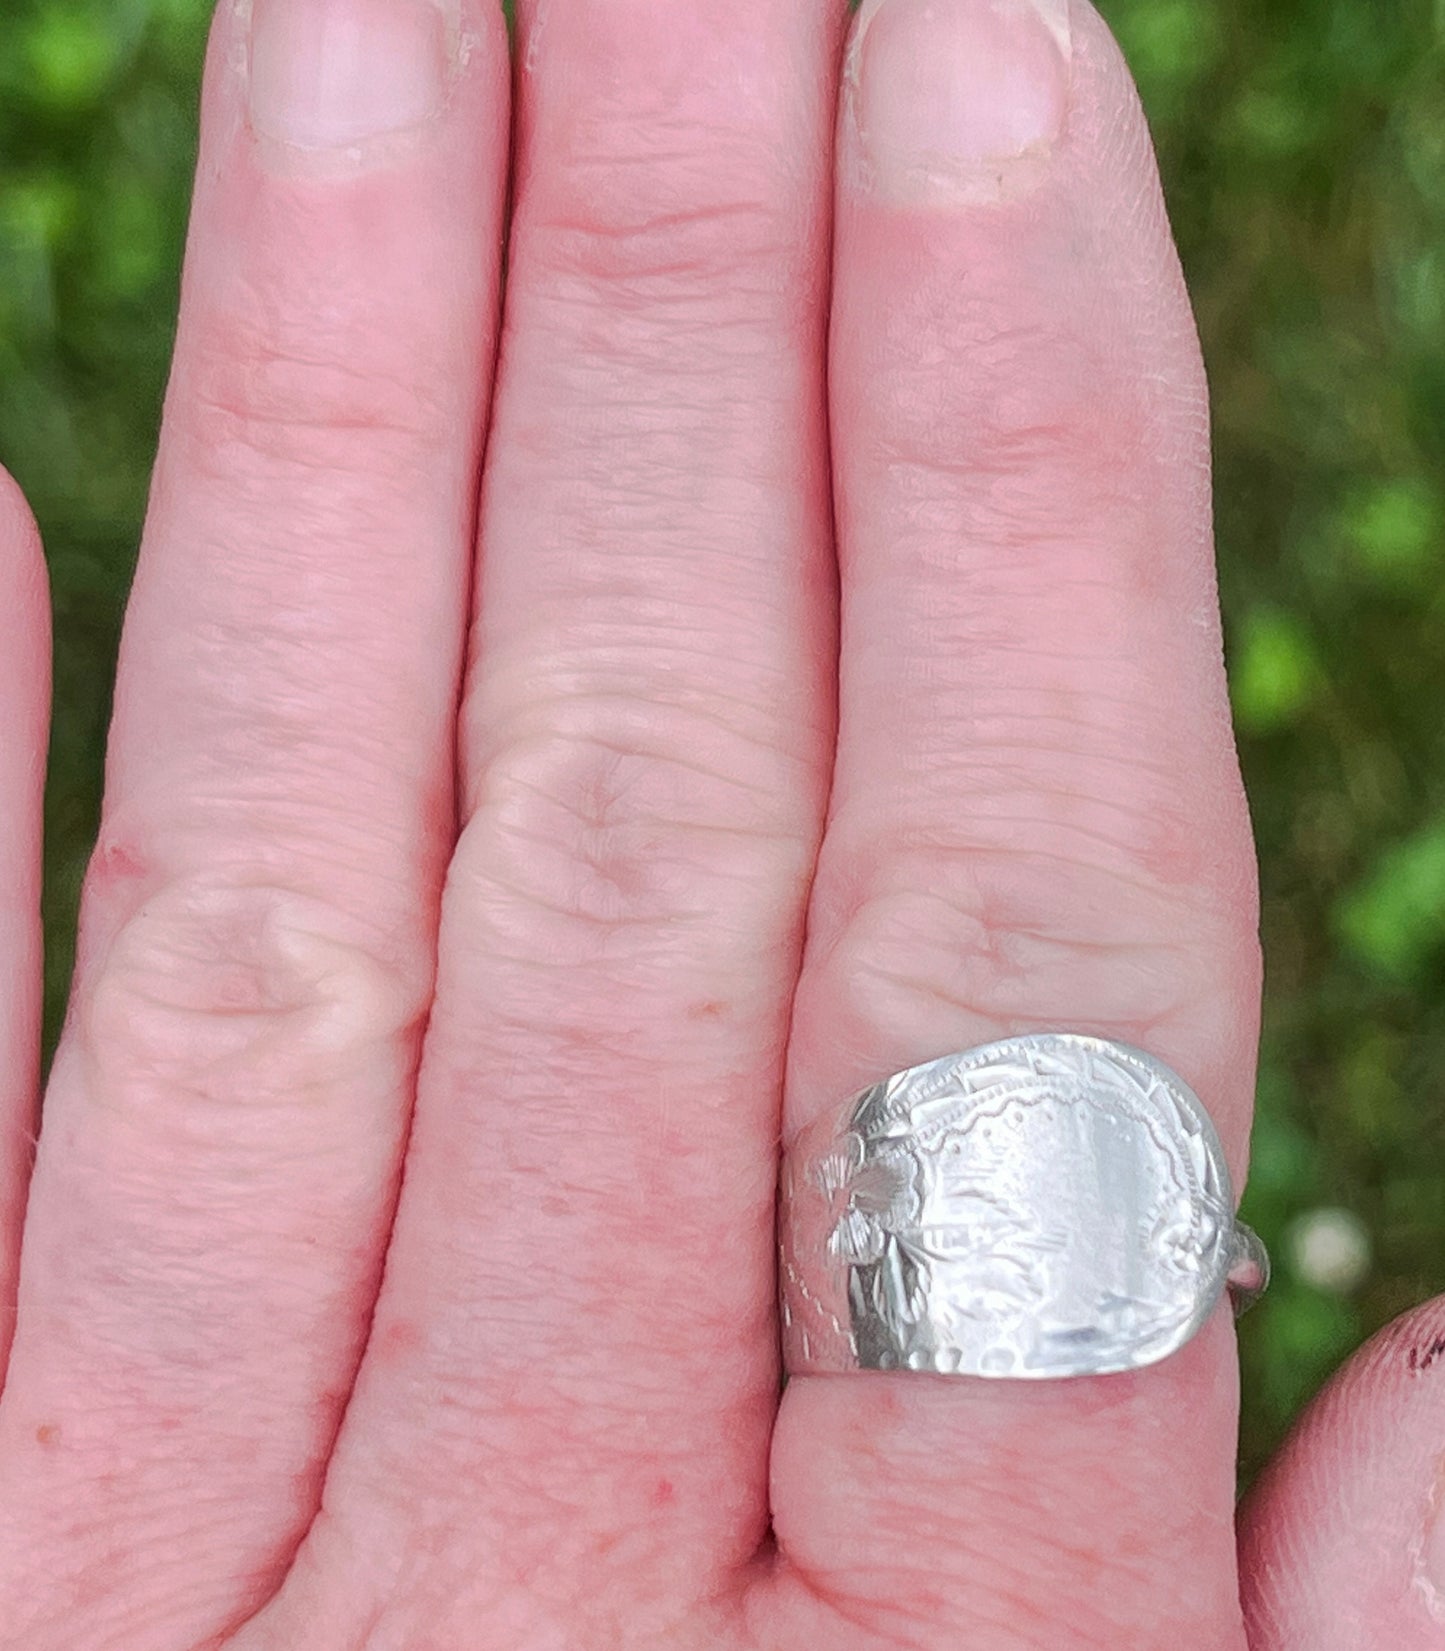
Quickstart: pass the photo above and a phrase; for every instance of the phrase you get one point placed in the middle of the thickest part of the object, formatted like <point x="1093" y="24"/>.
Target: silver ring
<point x="1050" y="1205"/>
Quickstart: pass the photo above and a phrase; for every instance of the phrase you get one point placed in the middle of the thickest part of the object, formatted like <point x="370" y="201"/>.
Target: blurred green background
<point x="1303" y="150"/>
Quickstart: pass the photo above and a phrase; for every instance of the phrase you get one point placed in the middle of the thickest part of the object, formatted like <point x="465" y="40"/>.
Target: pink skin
<point x="1343" y="1539"/>
<point x="24" y="712"/>
<point x="1014" y="803"/>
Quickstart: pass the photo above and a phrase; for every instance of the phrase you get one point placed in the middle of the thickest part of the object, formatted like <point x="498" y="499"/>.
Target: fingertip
<point x="1342" y="1540"/>
<point x="944" y="99"/>
<point x="25" y="601"/>
<point x="957" y="102"/>
<point x="19" y="531"/>
<point x="337" y="89"/>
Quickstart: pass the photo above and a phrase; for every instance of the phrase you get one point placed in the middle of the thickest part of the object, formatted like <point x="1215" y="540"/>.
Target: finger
<point x="223" y="1130"/>
<point x="24" y="715"/>
<point x="1342" y="1541"/>
<point x="1037" y="819"/>
<point x="563" y="1418"/>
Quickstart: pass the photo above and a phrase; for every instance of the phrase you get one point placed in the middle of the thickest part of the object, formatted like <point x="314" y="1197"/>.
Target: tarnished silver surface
<point x="1052" y="1205"/>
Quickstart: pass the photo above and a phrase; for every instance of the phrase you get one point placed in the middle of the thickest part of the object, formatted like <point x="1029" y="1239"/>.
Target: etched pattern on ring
<point x="1049" y="1205"/>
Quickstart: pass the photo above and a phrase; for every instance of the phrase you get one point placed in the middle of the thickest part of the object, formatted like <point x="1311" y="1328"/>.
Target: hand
<point x="682" y="864"/>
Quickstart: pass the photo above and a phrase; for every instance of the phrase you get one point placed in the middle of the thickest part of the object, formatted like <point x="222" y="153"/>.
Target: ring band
<point x="1049" y="1205"/>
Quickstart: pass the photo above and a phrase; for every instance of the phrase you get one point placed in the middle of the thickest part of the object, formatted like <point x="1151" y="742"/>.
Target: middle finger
<point x="573" y="1370"/>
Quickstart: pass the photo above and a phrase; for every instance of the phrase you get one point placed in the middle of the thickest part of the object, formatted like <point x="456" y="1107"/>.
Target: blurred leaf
<point x="129" y="236"/>
<point x="1397" y="531"/>
<point x="72" y="52"/>
<point x="38" y="211"/>
<point x="1275" y="121"/>
<point x="1171" y="44"/>
<point x="179" y="28"/>
<point x="1293" y="1340"/>
<point x="1275" y="671"/>
<point x="1396" y="919"/>
<point x="1283" y="1165"/>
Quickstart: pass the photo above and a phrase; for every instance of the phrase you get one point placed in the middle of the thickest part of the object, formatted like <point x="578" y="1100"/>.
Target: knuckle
<point x="579" y="827"/>
<point x="1021" y="473"/>
<point x="641" y="250"/>
<point x="238" y="991"/>
<point x="1048" y="427"/>
<point x="1033" y="751"/>
<point x="1010" y="938"/>
<point x="309" y="399"/>
<point x="665" y="176"/>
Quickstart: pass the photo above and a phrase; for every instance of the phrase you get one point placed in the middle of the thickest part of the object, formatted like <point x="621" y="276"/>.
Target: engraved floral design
<point x="870" y="1197"/>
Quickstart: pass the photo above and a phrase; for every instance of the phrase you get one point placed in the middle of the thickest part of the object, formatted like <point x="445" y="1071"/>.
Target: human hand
<point x="564" y="932"/>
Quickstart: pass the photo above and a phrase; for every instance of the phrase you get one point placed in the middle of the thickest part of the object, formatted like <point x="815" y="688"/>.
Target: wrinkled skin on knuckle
<point x="227" y="1104"/>
<point x="594" y="838"/>
<point x="998" y="940"/>
<point x="261" y="393"/>
<point x="1058" y="505"/>
<point x="1054" y="427"/>
<point x="692" y="259"/>
<point x="242" y="993"/>
<point x="1072" y="756"/>
<point x="688" y="340"/>
<point x="676" y="172"/>
<point x="954" y="314"/>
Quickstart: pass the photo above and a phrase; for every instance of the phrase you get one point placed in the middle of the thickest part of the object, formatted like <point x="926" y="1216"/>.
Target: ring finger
<point x="1037" y="819"/>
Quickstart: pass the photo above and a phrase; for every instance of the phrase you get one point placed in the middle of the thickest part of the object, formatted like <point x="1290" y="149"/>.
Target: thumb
<point x="1342" y="1541"/>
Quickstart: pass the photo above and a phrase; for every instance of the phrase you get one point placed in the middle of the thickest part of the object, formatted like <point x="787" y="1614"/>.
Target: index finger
<point x="226" y="1116"/>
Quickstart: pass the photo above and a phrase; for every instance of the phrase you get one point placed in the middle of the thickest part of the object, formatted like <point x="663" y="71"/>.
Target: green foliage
<point x="1303" y="150"/>
<point x="1307" y="178"/>
<point x="1306" y="171"/>
<point x="1276" y="670"/>
<point x="72" y="55"/>
<point x="1395" y="920"/>
<point x="1397" y="532"/>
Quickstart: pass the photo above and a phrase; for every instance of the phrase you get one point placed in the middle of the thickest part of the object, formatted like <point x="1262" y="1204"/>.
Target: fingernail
<point x="327" y="74"/>
<point x="944" y="91"/>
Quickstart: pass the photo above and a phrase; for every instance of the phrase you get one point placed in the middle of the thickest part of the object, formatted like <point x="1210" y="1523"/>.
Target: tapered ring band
<point x="1051" y="1205"/>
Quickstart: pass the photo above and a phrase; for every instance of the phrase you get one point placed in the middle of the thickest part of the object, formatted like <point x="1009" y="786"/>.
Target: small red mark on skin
<point x="399" y="1338"/>
<point x="115" y="862"/>
<point x="1173" y="852"/>
<point x="47" y="1436"/>
<point x="664" y="1494"/>
<point x="711" y="1009"/>
<point x="890" y="1406"/>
